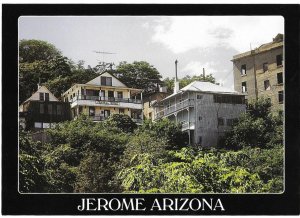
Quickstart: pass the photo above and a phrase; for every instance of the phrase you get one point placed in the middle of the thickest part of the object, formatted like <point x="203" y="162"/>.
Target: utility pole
<point x="254" y="70"/>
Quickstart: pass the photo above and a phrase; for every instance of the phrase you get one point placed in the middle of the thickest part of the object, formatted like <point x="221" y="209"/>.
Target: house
<point x="206" y="110"/>
<point x="260" y="72"/>
<point x="103" y="96"/>
<point x="151" y="99"/>
<point x="42" y="110"/>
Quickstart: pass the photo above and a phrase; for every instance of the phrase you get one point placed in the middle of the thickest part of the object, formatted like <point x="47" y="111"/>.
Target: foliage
<point x="169" y="83"/>
<point x="139" y="74"/>
<point x="31" y="175"/>
<point x="258" y="127"/>
<point x="210" y="171"/>
<point x="121" y="121"/>
<point x="168" y="130"/>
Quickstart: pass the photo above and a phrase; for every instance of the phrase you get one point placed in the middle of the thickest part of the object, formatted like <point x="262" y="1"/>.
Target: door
<point x="106" y="113"/>
<point x="111" y="95"/>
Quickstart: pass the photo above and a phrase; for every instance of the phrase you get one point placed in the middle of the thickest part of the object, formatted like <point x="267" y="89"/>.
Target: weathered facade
<point x="43" y="110"/>
<point x="205" y="110"/>
<point x="260" y="72"/>
<point x="152" y="99"/>
<point x="103" y="96"/>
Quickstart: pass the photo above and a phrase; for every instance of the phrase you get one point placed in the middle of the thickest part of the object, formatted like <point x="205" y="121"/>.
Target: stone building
<point x="260" y="72"/>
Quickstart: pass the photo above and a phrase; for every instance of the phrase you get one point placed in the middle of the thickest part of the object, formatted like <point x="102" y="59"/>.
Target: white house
<point x="205" y="110"/>
<point x="103" y="96"/>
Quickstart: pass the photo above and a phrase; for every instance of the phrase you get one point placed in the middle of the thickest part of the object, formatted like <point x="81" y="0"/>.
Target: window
<point x="244" y="87"/>
<point x="280" y="97"/>
<point x="200" y="118"/>
<point x="38" y="125"/>
<point x="42" y="109"/>
<point x="279" y="60"/>
<point x="106" y="81"/>
<point x="150" y="115"/>
<point x="121" y="110"/>
<point x="59" y="109"/>
<point x="120" y="94"/>
<point x="106" y="113"/>
<point x="199" y="96"/>
<point x="41" y="96"/>
<point x="243" y="69"/>
<point x="92" y="111"/>
<point x="49" y="108"/>
<point x="46" y="125"/>
<point x="265" y="67"/>
<point x="231" y="122"/>
<point x="279" y="78"/>
<point x="267" y="85"/>
<point x="110" y="95"/>
<point x="220" y="121"/>
<point x="46" y="96"/>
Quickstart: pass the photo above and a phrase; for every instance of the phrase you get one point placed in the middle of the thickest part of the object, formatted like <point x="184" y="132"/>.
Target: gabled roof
<point x="43" y="89"/>
<point x="97" y="80"/>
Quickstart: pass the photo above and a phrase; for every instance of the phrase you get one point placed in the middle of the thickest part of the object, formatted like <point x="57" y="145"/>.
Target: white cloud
<point x="181" y="34"/>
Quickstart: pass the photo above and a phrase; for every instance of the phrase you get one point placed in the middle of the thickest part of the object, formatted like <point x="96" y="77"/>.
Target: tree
<point x="36" y="50"/>
<point x="258" y="127"/>
<point x="139" y="74"/>
<point x="171" y="131"/>
<point x="122" y="121"/>
<point x="169" y="83"/>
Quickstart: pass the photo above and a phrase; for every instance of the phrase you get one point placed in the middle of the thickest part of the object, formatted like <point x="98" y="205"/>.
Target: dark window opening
<point x="41" y="96"/>
<point x="243" y="69"/>
<point x="279" y="78"/>
<point x="279" y="60"/>
<point x="199" y="96"/>
<point x="92" y="111"/>
<point x="280" y="97"/>
<point x="121" y="110"/>
<point x="200" y="118"/>
<point x="120" y="94"/>
<point x="46" y="96"/>
<point x="106" y="81"/>
<point x="267" y="85"/>
<point x="265" y="67"/>
<point x="244" y="87"/>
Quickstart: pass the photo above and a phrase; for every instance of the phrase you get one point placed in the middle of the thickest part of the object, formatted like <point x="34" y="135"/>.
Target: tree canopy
<point x="139" y="74"/>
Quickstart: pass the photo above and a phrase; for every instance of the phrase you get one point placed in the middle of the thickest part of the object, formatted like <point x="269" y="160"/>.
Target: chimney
<point x="204" y="74"/>
<point x="176" y="83"/>
<point x="38" y="85"/>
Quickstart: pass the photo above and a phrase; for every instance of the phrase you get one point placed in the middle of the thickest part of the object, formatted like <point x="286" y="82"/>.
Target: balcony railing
<point x="106" y="99"/>
<point x="102" y="118"/>
<point x="175" y="107"/>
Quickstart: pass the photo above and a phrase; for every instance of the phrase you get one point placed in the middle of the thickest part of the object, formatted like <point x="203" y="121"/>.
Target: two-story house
<point x="103" y="96"/>
<point x="43" y="110"/>
<point x="205" y="110"/>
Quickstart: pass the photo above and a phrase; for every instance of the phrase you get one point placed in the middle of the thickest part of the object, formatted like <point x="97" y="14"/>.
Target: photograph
<point x="150" y="109"/>
<point x="151" y="104"/>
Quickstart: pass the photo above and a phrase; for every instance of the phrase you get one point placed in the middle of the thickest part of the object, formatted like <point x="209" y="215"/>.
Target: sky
<point x="197" y="42"/>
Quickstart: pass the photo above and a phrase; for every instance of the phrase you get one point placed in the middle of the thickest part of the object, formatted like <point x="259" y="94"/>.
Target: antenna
<point x="103" y="65"/>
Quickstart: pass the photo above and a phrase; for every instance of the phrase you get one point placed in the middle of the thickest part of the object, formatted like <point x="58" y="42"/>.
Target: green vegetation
<point x="118" y="156"/>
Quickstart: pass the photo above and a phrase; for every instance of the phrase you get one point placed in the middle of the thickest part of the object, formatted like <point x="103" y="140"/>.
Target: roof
<point x="205" y="87"/>
<point x="41" y="89"/>
<point x="277" y="42"/>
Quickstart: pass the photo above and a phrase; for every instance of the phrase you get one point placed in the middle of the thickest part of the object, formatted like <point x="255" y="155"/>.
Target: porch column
<point x="142" y="107"/>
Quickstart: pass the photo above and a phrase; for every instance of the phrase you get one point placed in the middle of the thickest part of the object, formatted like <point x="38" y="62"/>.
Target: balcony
<point x="175" y="108"/>
<point x="97" y="118"/>
<point x="106" y="101"/>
